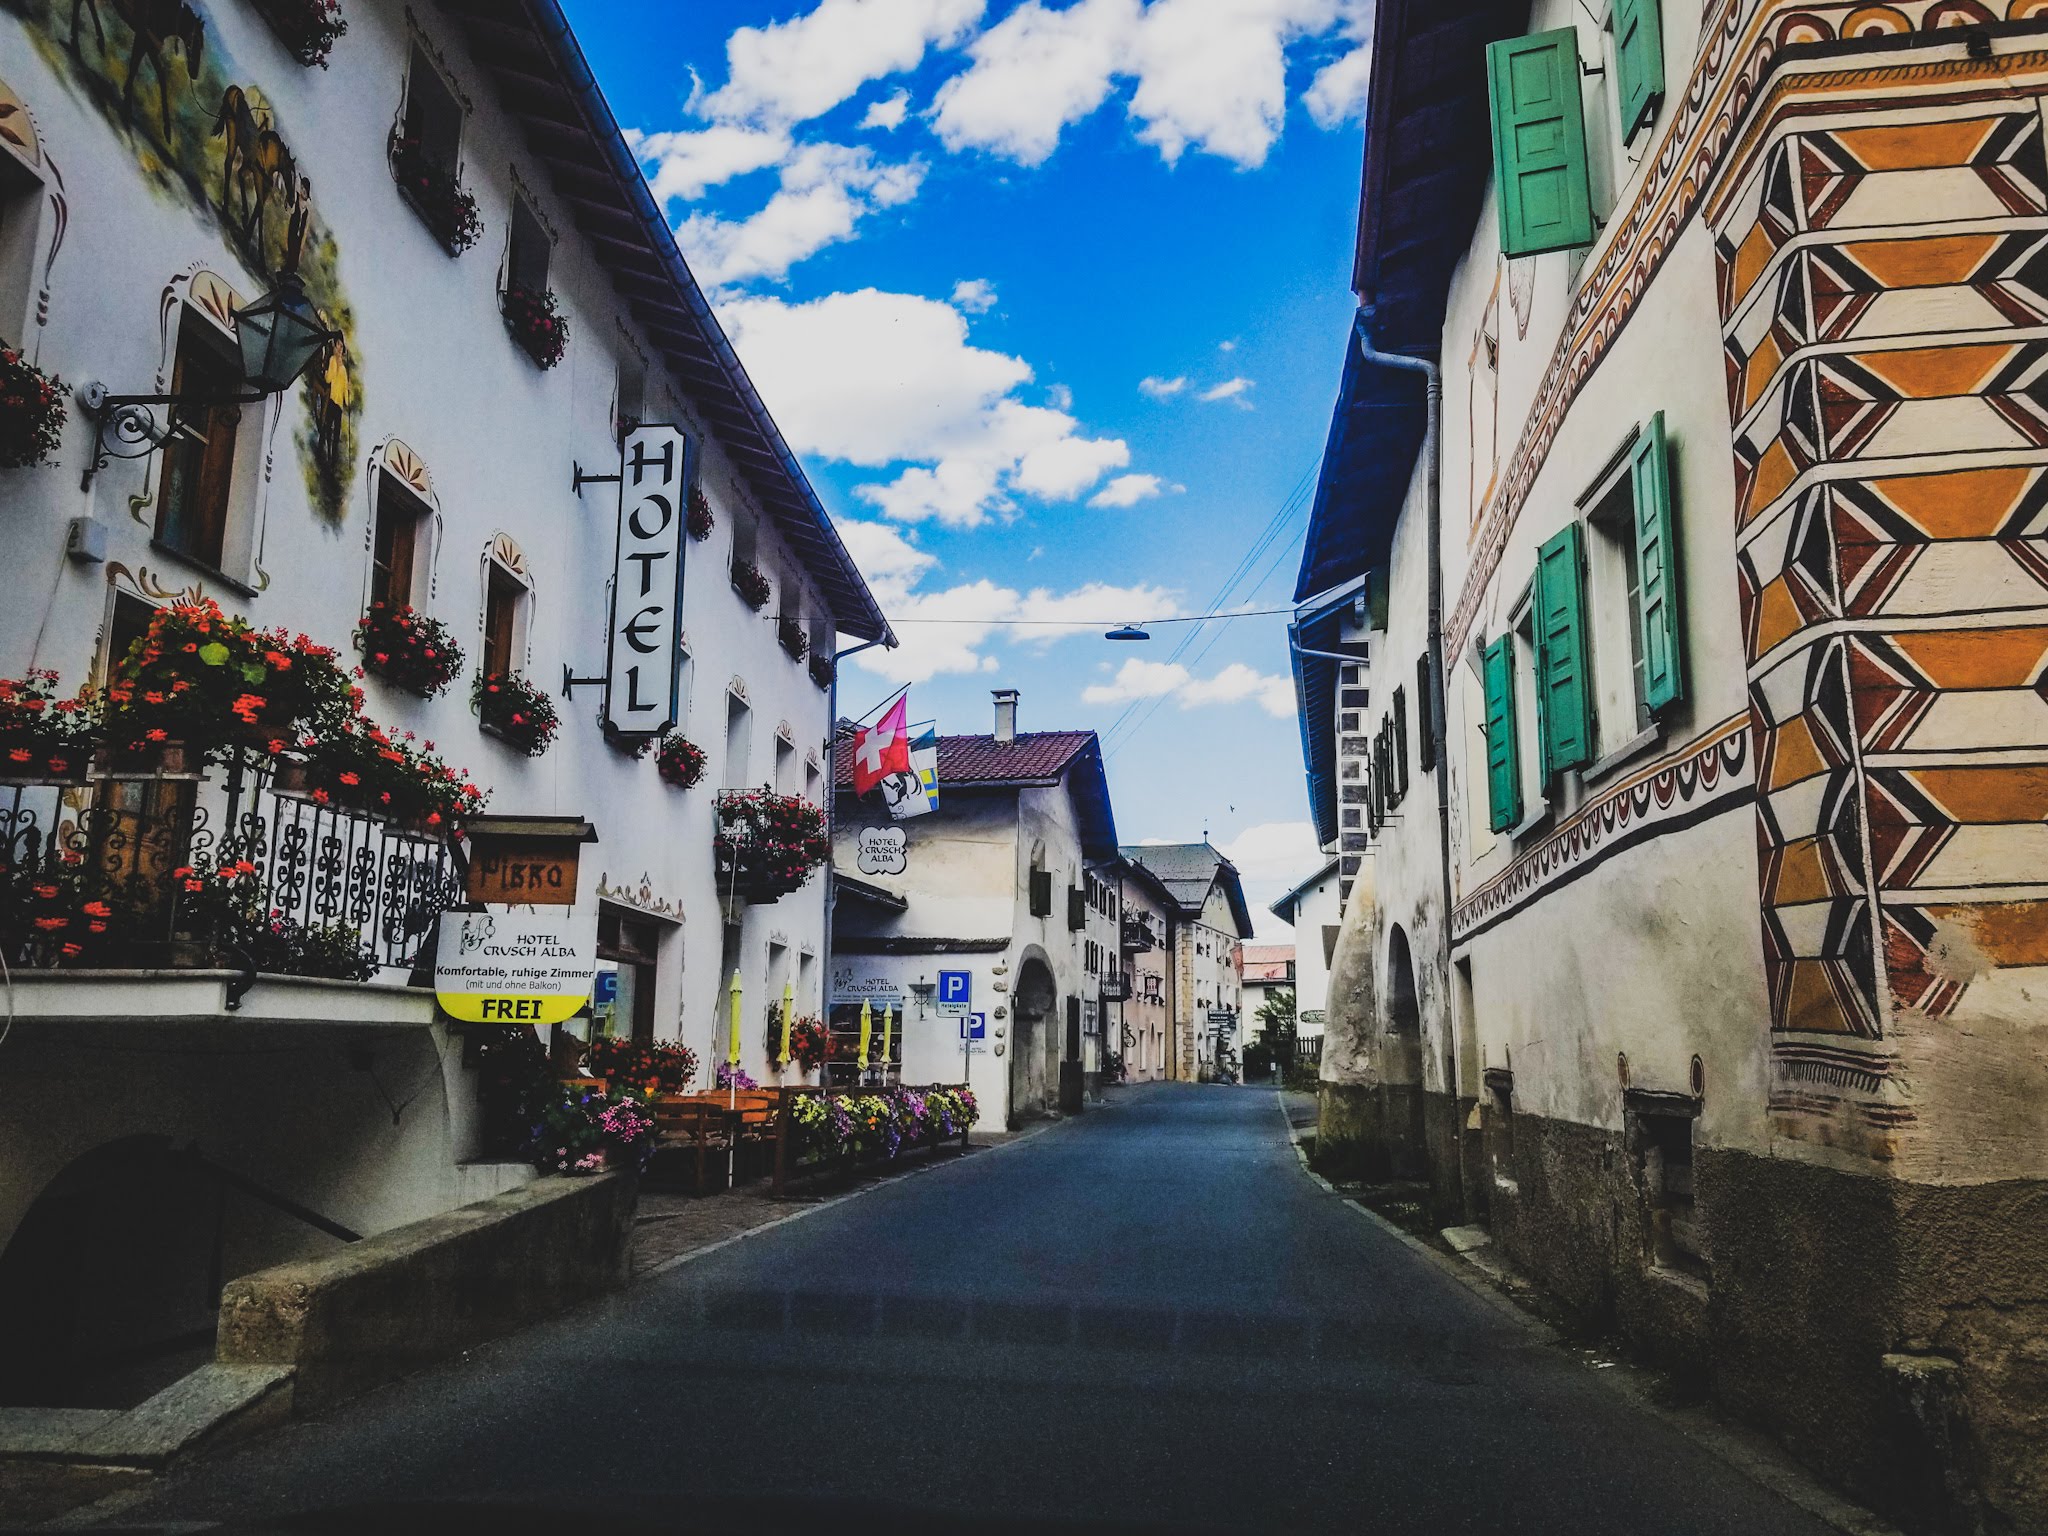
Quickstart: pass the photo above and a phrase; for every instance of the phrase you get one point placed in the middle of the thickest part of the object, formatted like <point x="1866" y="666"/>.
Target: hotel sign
<point x="498" y="968"/>
<point x="642" y="674"/>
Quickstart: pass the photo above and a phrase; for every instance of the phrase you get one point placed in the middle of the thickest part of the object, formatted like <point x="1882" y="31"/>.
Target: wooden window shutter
<point x="1539" y="143"/>
<point x="1503" y="766"/>
<point x="1638" y="61"/>
<point x="1657" y="594"/>
<point x="1398" y="742"/>
<point x="1425" y="716"/>
<point x="1562" y="682"/>
<point x="1041" y="893"/>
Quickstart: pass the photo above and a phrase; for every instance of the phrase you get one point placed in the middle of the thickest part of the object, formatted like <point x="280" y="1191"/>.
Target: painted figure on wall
<point x="200" y="133"/>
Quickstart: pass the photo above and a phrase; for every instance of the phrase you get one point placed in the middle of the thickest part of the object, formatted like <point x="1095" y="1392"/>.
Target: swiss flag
<point x="883" y="748"/>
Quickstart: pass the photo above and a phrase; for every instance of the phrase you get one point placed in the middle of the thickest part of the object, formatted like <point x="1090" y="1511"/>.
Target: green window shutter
<point x="1503" y="768"/>
<point x="1657" y="599"/>
<point x="1562" y="673"/>
<point x="1539" y="143"/>
<point x="1638" y="61"/>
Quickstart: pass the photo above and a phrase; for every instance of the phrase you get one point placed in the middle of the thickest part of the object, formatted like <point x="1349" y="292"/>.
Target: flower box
<point x="44" y="738"/>
<point x="700" y="521"/>
<point x="307" y="28"/>
<point x="751" y="583"/>
<point x="822" y="670"/>
<point x="680" y="761"/>
<point x="437" y="196"/>
<point x="515" y="711"/>
<point x="408" y="649"/>
<point x="32" y="412"/>
<point x="790" y="632"/>
<point x="767" y="844"/>
<point x="535" y="323"/>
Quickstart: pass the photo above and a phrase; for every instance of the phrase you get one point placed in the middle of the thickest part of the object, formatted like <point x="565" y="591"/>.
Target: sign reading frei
<point x="641" y="671"/>
<point x="501" y="968"/>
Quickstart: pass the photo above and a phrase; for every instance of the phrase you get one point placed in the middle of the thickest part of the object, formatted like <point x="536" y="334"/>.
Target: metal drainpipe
<point x="831" y="826"/>
<point x="1432" y="445"/>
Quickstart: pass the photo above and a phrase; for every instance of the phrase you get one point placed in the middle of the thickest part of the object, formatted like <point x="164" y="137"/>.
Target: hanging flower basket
<point x="535" y="323"/>
<point x="822" y="670"/>
<point x="810" y="1042"/>
<point x="32" y="412"/>
<point x="307" y="28"/>
<point x="435" y="194"/>
<point x="752" y="585"/>
<point x="700" y="521"/>
<point x="768" y="844"/>
<point x="666" y="1066"/>
<point x="791" y="633"/>
<point x="360" y="766"/>
<point x="680" y="761"/>
<point x="515" y="711"/>
<point x="408" y="649"/>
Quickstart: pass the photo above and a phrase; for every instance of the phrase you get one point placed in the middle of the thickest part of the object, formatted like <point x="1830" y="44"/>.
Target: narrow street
<point x="1149" y="1317"/>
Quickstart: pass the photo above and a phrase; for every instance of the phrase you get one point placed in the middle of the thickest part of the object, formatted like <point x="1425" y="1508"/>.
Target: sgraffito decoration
<point x="157" y="72"/>
<point x="1882" y="261"/>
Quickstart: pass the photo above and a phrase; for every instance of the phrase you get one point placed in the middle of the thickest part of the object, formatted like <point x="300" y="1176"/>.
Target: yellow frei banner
<point x="732" y="1045"/>
<point x="500" y="968"/>
<point x="788" y="1003"/>
<point x="867" y="1032"/>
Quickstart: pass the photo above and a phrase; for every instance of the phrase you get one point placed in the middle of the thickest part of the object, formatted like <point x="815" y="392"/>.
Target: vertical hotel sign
<point x="641" y="668"/>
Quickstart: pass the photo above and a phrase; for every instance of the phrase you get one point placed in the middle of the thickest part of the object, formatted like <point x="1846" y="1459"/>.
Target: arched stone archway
<point x="1033" y="1036"/>
<point x="1401" y="1078"/>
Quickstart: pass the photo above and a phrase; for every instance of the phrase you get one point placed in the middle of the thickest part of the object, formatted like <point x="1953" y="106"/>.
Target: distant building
<point x="1267" y="969"/>
<point x="1315" y="910"/>
<point x="1211" y="922"/>
<point x="995" y="883"/>
<point x="1143" y="1021"/>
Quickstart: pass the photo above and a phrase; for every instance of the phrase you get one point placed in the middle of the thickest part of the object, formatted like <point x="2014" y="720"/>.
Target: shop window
<point x="195" y="492"/>
<point x="739" y="730"/>
<point x="432" y="123"/>
<point x="506" y="601"/>
<point x="396" y="544"/>
<point x="632" y="945"/>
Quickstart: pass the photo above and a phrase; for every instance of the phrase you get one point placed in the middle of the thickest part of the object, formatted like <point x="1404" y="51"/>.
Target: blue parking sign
<point x="955" y="989"/>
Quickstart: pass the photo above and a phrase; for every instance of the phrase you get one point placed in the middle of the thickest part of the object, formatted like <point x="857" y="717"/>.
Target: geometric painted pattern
<point x="1883" y="282"/>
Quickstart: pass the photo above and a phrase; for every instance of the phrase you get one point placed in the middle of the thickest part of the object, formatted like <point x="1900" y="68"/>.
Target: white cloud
<point x="1226" y="346"/>
<point x="1237" y="682"/>
<point x="1272" y="858"/>
<point x="878" y="379"/>
<point x="826" y="190"/>
<point x="683" y="165"/>
<point x="1034" y="72"/>
<point x="1128" y="491"/>
<point x="1212" y="74"/>
<point x="888" y="113"/>
<point x="889" y="561"/>
<point x="1229" y="389"/>
<point x="976" y="295"/>
<point x="1338" y="90"/>
<point x="948" y="631"/>
<point x="1162" y="389"/>
<point x="1137" y="679"/>
<point x="795" y="70"/>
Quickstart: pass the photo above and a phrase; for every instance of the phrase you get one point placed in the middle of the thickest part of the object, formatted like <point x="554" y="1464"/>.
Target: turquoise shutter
<point x="1657" y="599"/>
<point x="1562" y="675"/>
<point x="1638" y="61"/>
<point x="1539" y="143"/>
<point x="1503" y="769"/>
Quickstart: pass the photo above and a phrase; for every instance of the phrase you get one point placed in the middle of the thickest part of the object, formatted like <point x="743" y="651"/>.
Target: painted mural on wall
<point x="203" y="134"/>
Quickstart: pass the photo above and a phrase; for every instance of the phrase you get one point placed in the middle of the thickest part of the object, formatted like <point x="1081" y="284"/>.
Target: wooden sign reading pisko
<point x="538" y="873"/>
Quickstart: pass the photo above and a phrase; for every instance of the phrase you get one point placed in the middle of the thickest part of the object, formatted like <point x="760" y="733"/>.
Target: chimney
<point x="1006" y="714"/>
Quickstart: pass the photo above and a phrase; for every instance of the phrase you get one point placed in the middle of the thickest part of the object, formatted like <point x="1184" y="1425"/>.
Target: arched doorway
<point x="1402" y="1077"/>
<point x="1033" y="1035"/>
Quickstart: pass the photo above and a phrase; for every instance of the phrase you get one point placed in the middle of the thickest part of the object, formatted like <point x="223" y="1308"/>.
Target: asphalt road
<point x="1149" y="1318"/>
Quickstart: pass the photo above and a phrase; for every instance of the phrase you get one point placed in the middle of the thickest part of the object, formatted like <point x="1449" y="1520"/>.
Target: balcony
<point x="1116" y="986"/>
<point x="216" y="869"/>
<point x="1138" y="936"/>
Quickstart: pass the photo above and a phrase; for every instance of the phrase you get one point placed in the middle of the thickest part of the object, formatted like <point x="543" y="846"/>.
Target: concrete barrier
<point x="419" y="1293"/>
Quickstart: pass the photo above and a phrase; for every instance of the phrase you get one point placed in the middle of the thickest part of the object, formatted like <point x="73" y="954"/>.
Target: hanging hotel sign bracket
<point x="578" y="479"/>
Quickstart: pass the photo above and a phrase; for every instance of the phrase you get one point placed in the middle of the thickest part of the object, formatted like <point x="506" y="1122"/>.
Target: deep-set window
<point x="739" y="731"/>
<point x="633" y="946"/>
<point x="505" y="602"/>
<point x="785" y="767"/>
<point x="196" y="487"/>
<point x="1665" y="1147"/>
<point x="396" y="544"/>
<point x="432" y="122"/>
<point x="527" y="255"/>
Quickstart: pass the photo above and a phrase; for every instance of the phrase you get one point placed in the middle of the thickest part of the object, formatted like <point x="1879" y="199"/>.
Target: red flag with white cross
<point x="883" y="748"/>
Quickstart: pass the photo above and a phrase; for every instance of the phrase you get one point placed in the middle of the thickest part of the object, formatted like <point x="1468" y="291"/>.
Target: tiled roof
<point x="1034" y="757"/>
<point x="1267" y="954"/>
<point x="1188" y="870"/>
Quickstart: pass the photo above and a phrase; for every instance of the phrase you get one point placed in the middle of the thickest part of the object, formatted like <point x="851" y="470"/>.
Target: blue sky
<point x="1052" y="302"/>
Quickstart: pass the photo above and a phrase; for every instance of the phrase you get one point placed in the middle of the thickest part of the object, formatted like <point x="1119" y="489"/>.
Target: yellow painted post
<point x="888" y="1036"/>
<point x="732" y="1048"/>
<point x="867" y="1030"/>
<point x="788" y="1003"/>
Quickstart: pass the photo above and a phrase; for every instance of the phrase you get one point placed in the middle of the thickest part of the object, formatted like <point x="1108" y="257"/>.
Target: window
<point x="21" y="197"/>
<point x="1425" y="715"/>
<point x="433" y="116"/>
<point x="739" y="730"/>
<point x="1563" y="659"/>
<point x="1539" y="143"/>
<point x="1398" y="742"/>
<point x="1664" y="1138"/>
<point x="1503" y="735"/>
<point x="630" y="406"/>
<point x="633" y="946"/>
<point x="197" y="482"/>
<point x="1632" y="578"/>
<point x="395" y="544"/>
<point x="785" y="766"/>
<point x="814" y="783"/>
<point x="127" y="623"/>
<point x="526" y="255"/>
<point x="505" y="601"/>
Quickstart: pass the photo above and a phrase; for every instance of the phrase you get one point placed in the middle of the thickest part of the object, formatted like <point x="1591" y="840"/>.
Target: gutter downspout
<point x="832" y="827"/>
<point x="1432" y="449"/>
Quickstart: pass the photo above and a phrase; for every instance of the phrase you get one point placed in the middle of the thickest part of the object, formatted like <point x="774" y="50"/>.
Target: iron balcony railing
<point x="121" y="850"/>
